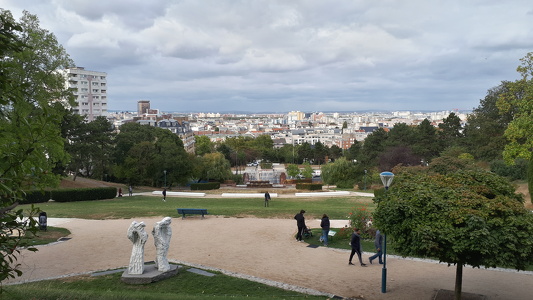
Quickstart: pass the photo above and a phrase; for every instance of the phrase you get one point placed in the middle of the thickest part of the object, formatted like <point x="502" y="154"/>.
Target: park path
<point x="266" y="249"/>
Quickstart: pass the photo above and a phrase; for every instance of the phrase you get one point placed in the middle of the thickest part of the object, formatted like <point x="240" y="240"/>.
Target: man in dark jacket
<point x="378" y="243"/>
<point x="355" y="242"/>
<point x="325" y="229"/>
<point x="300" y="222"/>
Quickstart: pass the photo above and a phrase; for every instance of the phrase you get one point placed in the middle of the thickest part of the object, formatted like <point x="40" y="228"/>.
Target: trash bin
<point x="43" y="219"/>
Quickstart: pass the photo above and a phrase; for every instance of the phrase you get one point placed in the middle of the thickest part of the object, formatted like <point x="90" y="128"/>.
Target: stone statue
<point x="162" y="234"/>
<point x="138" y="237"/>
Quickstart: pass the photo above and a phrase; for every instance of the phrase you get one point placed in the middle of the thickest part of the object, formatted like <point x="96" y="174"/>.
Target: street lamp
<point x="165" y="171"/>
<point x="386" y="178"/>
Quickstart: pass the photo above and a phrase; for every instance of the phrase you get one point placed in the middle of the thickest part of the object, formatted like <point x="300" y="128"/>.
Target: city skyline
<point x="278" y="56"/>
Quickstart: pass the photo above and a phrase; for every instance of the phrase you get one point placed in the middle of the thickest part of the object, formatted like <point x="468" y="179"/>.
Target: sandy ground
<point x="264" y="249"/>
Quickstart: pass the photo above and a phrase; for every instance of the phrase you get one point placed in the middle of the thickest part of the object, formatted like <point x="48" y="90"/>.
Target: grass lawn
<point x="186" y="285"/>
<point x="151" y="206"/>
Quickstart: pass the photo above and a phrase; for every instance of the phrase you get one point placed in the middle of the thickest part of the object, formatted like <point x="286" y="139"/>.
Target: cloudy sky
<point x="278" y="56"/>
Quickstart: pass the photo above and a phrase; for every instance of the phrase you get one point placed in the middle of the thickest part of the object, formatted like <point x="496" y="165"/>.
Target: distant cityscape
<point x="295" y="127"/>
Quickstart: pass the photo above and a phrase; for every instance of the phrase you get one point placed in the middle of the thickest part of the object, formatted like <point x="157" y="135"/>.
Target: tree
<point x="426" y="144"/>
<point x="31" y="110"/>
<point x="451" y="130"/>
<point x="319" y="153"/>
<point x="484" y="131"/>
<point x="397" y="155"/>
<point x="335" y="152"/>
<point x="373" y="146"/>
<point x="203" y="145"/>
<point x="215" y="166"/>
<point x="518" y="133"/>
<point x="341" y="172"/>
<point x="466" y="217"/>
<point x="307" y="172"/>
<point x="292" y="170"/>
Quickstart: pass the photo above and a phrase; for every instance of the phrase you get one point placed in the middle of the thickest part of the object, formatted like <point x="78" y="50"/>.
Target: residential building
<point x="90" y="90"/>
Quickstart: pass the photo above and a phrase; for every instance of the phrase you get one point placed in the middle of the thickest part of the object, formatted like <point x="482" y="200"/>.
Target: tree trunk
<point x="458" y="280"/>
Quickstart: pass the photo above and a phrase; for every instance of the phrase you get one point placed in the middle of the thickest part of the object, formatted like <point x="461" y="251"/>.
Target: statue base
<point x="150" y="274"/>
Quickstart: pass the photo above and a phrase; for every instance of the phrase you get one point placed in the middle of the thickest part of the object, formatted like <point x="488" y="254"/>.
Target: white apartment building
<point x="90" y="90"/>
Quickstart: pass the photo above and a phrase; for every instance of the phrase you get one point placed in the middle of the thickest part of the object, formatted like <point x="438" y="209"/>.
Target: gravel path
<point x="264" y="250"/>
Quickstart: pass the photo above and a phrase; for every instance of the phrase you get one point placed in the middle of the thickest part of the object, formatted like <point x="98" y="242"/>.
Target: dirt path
<point x="264" y="248"/>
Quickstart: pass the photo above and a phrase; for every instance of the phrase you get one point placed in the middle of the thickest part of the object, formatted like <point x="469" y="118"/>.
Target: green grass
<point x="152" y="206"/>
<point x="186" y="285"/>
<point x="52" y="234"/>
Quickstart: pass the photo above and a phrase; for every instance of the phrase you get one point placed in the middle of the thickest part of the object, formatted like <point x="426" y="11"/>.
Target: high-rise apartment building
<point x="90" y="90"/>
<point x="143" y="106"/>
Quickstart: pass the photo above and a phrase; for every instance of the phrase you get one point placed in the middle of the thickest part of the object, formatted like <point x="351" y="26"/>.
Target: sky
<point x="261" y="56"/>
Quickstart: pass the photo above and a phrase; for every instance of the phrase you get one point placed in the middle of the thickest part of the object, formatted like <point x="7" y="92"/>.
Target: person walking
<point x="355" y="242"/>
<point x="325" y="229"/>
<point x="300" y="222"/>
<point x="267" y="198"/>
<point x="378" y="243"/>
<point x="130" y="191"/>
<point x="165" y="195"/>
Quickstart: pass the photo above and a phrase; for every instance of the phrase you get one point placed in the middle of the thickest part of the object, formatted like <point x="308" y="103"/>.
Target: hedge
<point x="36" y="197"/>
<point x="309" y="186"/>
<point x="85" y="194"/>
<point x="205" y="186"/>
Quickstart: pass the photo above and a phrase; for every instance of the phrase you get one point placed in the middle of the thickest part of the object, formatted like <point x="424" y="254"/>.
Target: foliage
<point x="466" y="217"/>
<point x="144" y="153"/>
<point x="205" y="186"/>
<point x="341" y="172"/>
<point x="83" y="194"/>
<point x="517" y="171"/>
<point x="203" y="145"/>
<point x="215" y="166"/>
<point x="309" y="186"/>
<point x="397" y="155"/>
<point x="307" y="172"/>
<point x="519" y="98"/>
<point x="450" y="130"/>
<point x="292" y="170"/>
<point x="32" y="94"/>
<point x="360" y="217"/>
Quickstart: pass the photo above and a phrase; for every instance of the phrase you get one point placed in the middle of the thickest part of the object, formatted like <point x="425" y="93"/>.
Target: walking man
<point x="165" y="195"/>
<point x="378" y="242"/>
<point x="300" y="222"/>
<point x="355" y="242"/>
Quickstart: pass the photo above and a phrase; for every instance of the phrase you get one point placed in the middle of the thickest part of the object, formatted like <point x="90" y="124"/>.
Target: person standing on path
<point x="378" y="242"/>
<point x="300" y="222"/>
<point x="130" y="191"/>
<point x="325" y="229"/>
<point x="165" y="195"/>
<point x="355" y="242"/>
<point x="267" y="198"/>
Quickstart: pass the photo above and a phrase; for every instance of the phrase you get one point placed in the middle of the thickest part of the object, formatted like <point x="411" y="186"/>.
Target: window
<point x="95" y="91"/>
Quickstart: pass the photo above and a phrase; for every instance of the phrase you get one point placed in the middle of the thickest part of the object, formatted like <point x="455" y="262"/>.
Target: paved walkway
<point x="264" y="250"/>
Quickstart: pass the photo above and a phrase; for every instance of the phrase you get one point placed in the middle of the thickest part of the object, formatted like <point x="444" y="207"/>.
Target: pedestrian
<point x="355" y="242"/>
<point x="130" y="191"/>
<point x="165" y="195"/>
<point x="325" y="229"/>
<point x="378" y="243"/>
<point x="267" y="198"/>
<point x="300" y="222"/>
<point x="120" y="192"/>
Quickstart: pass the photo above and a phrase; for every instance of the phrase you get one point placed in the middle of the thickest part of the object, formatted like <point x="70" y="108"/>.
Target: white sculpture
<point x="138" y="237"/>
<point x="162" y="234"/>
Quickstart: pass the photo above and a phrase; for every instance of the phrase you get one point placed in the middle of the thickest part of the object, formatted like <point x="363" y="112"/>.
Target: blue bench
<point x="192" y="211"/>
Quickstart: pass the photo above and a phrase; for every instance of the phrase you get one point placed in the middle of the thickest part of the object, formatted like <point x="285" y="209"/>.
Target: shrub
<point x="360" y="217"/>
<point x="36" y="197"/>
<point x="309" y="186"/>
<point x="205" y="186"/>
<point x="518" y="171"/>
<point x="86" y="194"/>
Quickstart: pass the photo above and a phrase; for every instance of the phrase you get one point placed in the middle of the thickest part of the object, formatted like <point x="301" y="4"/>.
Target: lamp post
<point x="386" y="178"/>
<point x="165" y="172"/>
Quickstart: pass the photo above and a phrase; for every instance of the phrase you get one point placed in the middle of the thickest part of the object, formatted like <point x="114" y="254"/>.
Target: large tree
<point x="32" y="94"/>
<point x="519" y="97"/>
<point x="469" y="217"/>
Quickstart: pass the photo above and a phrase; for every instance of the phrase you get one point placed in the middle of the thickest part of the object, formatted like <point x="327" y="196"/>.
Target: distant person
<point x="324" y="223"/>
<point x="165" y="195"/>
<point x="355" y="242"/>
<point x="120" y="192"/>
<point x="300" y="222"/>
<point x="267" y="198"/>
<point x="130" y="191"/>
<point x="378" y="243"/>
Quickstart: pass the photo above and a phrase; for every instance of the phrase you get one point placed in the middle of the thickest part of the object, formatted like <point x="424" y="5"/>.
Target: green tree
<point x="292" y="170"/>
<point x="466" y="217"/>
<point x="215" y="166"/>
<point x="319" y="153"/>
<point x="203" y="145"/>
<point x="426" y="144"/>
<point x="373" y="146"/>
<point x="305" y="152"/>
<point x="334" y="152"/>
<point x="451" y="130"/>
<point x="342" y="173"/>
<point x="31" y="110"/>
<point x="519" y="97"/>
<point x="307" y="172"/>
<point x="484" y="131"/>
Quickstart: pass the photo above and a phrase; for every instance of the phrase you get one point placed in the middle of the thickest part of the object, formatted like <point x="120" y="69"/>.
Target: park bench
<point x="192" y="211"/>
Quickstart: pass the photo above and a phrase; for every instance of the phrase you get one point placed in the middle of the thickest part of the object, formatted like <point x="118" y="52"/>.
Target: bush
<point x="205" y="186"/>
<point x="360" y="217"/>
<point x="309" y="186"/>
<point x="86" y="194"/>
<point x="36" y="197"/>
<point x="518" y="171"/>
